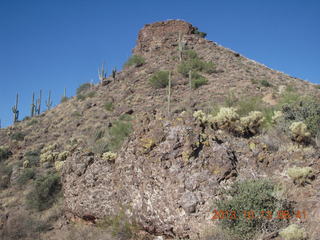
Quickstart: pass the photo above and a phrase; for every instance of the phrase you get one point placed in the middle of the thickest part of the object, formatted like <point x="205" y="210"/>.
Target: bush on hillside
<point x="250" y="199"/>
<point x="45" y="191"/>
<point x="160" y="79"/>
<point x="83" y="88"/>
<point x="5" y="153"/>
<point x="135" y="60"/>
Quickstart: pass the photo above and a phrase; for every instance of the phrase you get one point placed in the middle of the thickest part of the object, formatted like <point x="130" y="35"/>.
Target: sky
<point x="57" y="44"/>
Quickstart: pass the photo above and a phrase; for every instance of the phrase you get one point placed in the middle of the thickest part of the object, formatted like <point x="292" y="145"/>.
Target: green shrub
<point x="201" y="34"/>
<point x="265" y="83"/>
<point x="160" y="79"/>
<point x="190" y="54"/>
<point x="256" y="196"/>
<point x="32" y="122"/>
<point x="45" y="191"/>
<point x="5" y="153"/>
<point x="120" y="226"/>
<point x="83" y="88"/>
<point x="305" y="110"/>
<point x="5" y="173"/>
<point x="76" y="114"/>
<point x="109" y="106"/>
<point x="18" y="136"/>
<point x="119" y="131"/>
<point x="26" y="175"/>
<point x="195" y="65"/>
<point x="64" y="99"/>
<point x="197" y="80"/>
<point x="135" y="60"/>
<point x="33" y="157"/>
<point x="91" y="94"/>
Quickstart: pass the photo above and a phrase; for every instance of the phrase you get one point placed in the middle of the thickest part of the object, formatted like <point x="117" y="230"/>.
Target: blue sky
<point x="52" y="45"/>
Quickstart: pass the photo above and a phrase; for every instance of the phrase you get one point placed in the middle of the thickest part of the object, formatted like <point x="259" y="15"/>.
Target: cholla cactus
<point x="58" y="165"/>
<point x="300" y="175"/>
<point x="299" y="132"/>
<point x="276" y="116"/>
<point x="227" y="118"/>
<point x="109" y="156"/>
<point x="48" y="154"/>
<point x="251" y="123"/>
<point x="26" y="164"/>
<point x="200" y="115"/>
<point x="63" y="155"/>
<point x="293" y="232"/>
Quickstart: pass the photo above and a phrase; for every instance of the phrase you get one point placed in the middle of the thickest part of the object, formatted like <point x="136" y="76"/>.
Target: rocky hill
<point x="134" y="158"/>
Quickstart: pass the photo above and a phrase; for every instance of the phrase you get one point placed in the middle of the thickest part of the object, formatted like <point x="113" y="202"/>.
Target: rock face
<point x="165" y="177"/>
<point x="152" y="36"/>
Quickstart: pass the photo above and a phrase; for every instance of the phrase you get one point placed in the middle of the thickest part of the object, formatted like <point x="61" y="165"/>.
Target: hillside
<point x="118" y="162"/>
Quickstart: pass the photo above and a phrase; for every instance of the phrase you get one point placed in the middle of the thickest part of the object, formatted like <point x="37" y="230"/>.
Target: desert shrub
<point x="100" y="146"/>
<point x="135" y="60"/>
<point x="5" y="153"/>
<point x="197" y="80"/>
<point x="18" y="136"/>
<point x="76" y="114"/>
<point x="83" y="88"/>
<point x="159" y="79"/>
<point x="306" y="110"/>
<point x="201" y="34"/>
<point x="64" y="99"/>
<point x="249" y="104"/>
<point x="26" y="175"/>
<point x="195" y="65"/>
<point x="119" y="131"/>
<point x="33" y="157"/>
<point x="189" y="54"/>
<point x="299" y="132"/>
<point x="91" y="94"/>
<point x="120" y="226"/>
<point x="45" y="191"/>
<point x="32" y="122"/>
<point x="23" y="226"/>
<point x="257" y="197"/>
<point x="265" y="83"/>
<point x="300" y="175"/>
<point x="109" y="106"/>
<point x="293" y="232"/>
<point x="5" y="173"/>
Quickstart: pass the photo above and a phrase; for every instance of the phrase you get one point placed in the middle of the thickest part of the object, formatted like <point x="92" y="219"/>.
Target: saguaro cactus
<point x="180" y="46"/>
<point x="33" y="107"/>
<point x="169" y="93"/>
<point x="49" y="102"/>
<point x="38" y="104"/>
<point x="114" y="73"/>
<point x="102" y="73"/>
<point x="15" y="110"/>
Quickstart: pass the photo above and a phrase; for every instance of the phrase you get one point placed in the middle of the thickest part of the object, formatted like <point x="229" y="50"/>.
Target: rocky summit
<point x="188" y="128"/>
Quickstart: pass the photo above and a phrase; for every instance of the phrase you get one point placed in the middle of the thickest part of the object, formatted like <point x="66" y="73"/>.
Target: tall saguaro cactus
<point x="102" y="73"/>
<point x="169" y="93"/>
<point x="49" y="102"/>
<point x="114" y="73"/>
<point x="15" y="110"/>
<point x="180" y="46"/>
<point x="33" y="107"/>
<point x="38" y="104"/>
